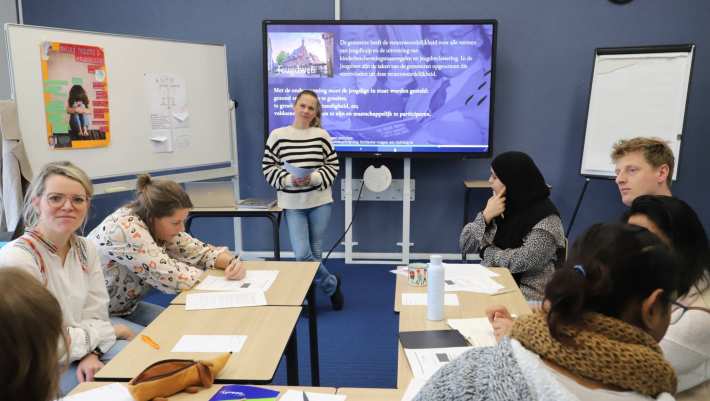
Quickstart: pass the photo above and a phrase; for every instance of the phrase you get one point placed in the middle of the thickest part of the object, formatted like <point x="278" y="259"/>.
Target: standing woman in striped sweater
<point x="308" y="200"/>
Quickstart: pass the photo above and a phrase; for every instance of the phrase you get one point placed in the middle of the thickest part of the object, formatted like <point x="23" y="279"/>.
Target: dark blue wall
<point x="545" y="54"/>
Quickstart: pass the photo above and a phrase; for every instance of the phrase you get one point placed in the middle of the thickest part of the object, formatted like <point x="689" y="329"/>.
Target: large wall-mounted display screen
<point x="391" y="88"/>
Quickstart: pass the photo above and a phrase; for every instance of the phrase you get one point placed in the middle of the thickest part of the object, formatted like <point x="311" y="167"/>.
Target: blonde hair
<point x="157" y="198"/>
<point x="316" y="120"/>
<point x="32" y="330"/>
<point x="655" y="150"/>
<point x="62" y="168"/>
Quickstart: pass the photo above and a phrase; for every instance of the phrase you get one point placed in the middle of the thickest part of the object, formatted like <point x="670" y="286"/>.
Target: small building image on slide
<point x="311" y="58"/>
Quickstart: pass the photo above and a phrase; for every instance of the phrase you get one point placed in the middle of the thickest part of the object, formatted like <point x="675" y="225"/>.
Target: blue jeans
<point x="68" y="380"/>
<point x="145" y="313"/>
<point x="306" y="228"/>
<point x="142" y="316"/>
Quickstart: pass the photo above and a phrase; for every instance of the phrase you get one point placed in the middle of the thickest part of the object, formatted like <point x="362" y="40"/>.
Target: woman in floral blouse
<point x="144" y="245"/>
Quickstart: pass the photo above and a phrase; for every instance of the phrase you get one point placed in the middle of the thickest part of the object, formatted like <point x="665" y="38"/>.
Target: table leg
<point x="466" y="196"/>
<point x="292" y="360"/>
<point x="277" y="238"/>
<point x="275" y="228"/>
<point x="313" y="335"/>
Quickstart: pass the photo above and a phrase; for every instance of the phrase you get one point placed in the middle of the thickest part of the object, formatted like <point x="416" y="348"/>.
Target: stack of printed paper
<point x="470" y="278"/>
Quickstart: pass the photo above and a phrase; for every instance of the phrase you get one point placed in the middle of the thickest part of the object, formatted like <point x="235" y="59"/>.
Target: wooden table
<point x="467" y="300"/>
<point x="371" y="394"/>
<point x="206" y="394"/>
<point x="292" y="285"/>
<point x="269" y="329"/>
<point x="413" y="318"/>
<point x="273" y="214"/>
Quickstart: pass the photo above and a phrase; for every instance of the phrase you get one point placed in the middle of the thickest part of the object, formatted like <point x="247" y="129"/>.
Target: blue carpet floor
<point x="357" y="345"/>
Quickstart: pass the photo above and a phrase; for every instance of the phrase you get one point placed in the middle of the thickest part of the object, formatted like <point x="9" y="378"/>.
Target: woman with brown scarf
<point x="609" y="306"/>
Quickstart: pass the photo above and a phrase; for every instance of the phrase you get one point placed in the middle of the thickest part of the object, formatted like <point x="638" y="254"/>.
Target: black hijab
<point x="526" y="198"/>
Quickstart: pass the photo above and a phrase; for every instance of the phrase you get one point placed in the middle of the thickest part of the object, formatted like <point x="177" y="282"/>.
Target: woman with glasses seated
<point x="56" y="205"/>
<point x="609" y="305"/>
<point x="687" y="342"/>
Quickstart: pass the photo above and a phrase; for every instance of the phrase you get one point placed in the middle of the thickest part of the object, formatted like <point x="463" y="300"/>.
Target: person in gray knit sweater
<point x="609" y="306"/>
<point x="520" y="228"/>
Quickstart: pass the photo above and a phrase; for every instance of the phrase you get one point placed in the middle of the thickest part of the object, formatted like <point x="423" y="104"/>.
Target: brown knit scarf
<point x="607" y="350"/>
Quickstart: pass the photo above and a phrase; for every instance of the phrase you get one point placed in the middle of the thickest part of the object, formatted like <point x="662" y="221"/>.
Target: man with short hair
<point x="644" y="166"/>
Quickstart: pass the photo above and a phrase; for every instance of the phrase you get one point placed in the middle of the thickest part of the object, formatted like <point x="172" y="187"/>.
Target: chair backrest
<point x="19" y="229"/>
<point x="561" y="255"/>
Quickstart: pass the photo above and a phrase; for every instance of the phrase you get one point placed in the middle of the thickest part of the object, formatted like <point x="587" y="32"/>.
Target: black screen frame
<point x="449" y="155"/>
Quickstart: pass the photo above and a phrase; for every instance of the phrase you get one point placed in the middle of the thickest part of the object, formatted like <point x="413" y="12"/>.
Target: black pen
<point x="305" y="397"/>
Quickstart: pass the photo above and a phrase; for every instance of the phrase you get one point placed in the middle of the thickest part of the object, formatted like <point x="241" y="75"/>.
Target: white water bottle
<point x="435" y="289"/>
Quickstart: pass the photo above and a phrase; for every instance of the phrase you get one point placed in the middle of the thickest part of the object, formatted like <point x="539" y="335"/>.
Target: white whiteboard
<point x="210" y="153"/>
<point x="635" y="94"/>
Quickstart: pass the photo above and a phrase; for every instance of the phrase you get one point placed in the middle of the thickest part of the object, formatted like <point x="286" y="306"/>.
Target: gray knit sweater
<point x="510" y="372"/>
<point x="490" y="373"/>
<point x="533" y="262"/>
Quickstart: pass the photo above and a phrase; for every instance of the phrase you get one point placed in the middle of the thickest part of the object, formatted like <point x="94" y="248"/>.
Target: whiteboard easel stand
<point x="576" y="207"/>
<point x="236" y="221"/>
<point x="406" y="216"/>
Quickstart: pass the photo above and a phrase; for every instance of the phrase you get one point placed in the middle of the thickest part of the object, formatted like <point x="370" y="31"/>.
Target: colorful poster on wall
<point x="75" y="89"/>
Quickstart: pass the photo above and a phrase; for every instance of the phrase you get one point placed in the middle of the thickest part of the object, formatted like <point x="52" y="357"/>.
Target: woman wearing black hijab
<point x="520" y="228"/>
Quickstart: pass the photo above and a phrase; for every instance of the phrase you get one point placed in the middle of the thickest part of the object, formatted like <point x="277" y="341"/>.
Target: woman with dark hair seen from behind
<point x="56" y="206"/>
<point x="610" y="304"/>
<point x="520" y="228"/>
<point x="144" y="245"/>
<point x="687" y="342"/>
<point x="32" y="329"/>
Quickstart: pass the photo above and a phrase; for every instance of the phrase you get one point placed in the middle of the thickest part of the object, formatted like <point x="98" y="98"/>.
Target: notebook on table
<point x="432" y="339"/>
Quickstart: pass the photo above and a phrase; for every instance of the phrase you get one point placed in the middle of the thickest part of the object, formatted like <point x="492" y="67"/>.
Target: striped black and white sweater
<point x="309" y="148"/>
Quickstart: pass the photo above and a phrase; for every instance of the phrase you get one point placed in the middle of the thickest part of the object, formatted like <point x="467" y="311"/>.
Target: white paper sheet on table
<point x="254" y="280"/>
<point x="483" y="285"/>
<point x="467" y="268"/>
<point x="109" y="392"/>
<point x="219" y="300"/>
<point x="425" y="361"/>
<point x="414" y="298"/>
<point x="297" y="395"/>
<point x="470" y="278"/>
<point x="413" y="388"/>
<point x="209" y="343"/>
<point x="478" y="331"/>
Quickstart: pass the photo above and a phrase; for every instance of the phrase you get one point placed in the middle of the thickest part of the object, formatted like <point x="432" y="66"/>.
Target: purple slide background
<point x="391" y="88"/>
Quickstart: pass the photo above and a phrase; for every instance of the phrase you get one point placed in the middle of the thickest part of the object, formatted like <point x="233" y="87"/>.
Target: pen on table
<point x="150" y="341"/>
<point x="233" y="262"/>
<point x="305" y="397"/>
<point x="503" y="291"/>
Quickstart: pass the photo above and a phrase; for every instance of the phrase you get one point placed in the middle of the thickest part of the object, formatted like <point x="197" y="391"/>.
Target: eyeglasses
<point x="678" y="310"/>
<point x="58" y="200"/>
